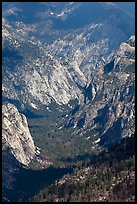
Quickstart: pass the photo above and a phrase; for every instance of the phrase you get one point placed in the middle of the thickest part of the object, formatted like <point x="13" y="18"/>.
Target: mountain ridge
<point x="68" y="93"/>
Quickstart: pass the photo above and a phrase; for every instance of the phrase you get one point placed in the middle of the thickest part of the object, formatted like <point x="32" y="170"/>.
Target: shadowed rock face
<point x="57" y="56"/>
<point x="16" y="135"/>
<point x="55" y="71"/>
<point x="111" y="110"/>
<point x="59" y="74"/>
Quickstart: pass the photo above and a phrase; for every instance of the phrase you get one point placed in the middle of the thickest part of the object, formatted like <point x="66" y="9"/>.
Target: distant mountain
<point x="82" y="49"/>
<point x="107" y="105"/>
<point x="49" y="17"/>
<point x="41" y="77"/>
<point x="68" y="87"/>
<point x="92" y="71"/>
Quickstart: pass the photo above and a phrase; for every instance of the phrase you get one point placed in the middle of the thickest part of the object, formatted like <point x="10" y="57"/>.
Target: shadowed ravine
<point x="28" y="182"/>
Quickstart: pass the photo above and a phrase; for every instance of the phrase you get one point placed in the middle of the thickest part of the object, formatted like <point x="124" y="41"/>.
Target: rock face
<point x="16" y="135"/>
<point x="108" y="101"/>
<point x="92" y="62"/>
<point x="41" y="73"/>
<point x="55" y="56"/>
<point x="51" y="21"/>
<point x="39" y="79"/>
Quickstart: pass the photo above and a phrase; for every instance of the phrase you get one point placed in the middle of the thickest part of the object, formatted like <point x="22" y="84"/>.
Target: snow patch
<point x="60" y="127"/>
<point x="61" y="14"/>
<point x="96" y="141"/>
<point x="48" y="109"/>
<point x="33" y="105"/>
<point x="87" y="138"/>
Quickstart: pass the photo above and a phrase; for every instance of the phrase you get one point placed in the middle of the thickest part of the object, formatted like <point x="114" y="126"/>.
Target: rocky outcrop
<point x="90" y="70"/>
<point x="125" y="57"/>
<point x="85" y="64"/>
<point x="42" y="73"/>
<point x="79" y="62"/>
<point x="35" y="76"/>
<point x="16" y="136"/>
<point x="110" y="114"/>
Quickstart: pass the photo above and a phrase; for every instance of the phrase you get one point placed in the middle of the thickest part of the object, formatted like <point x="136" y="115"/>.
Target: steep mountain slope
<point x="18" y="147"/>
<point x="108" y="177"/>
<point x="16" y="136"/>
<point x="49" y="17"/>
<point x="43" y="66"/>
<point x="10" y="167"/>
<point x="68" y="86"/>
<point x="103" y="115"/>
<point x="108" y="101"/>
<point x="18" y="152"/>
<point x="83" y="43"/>
<point x="39" y="79"/>
<point x="19" y="182"/>
<point x="83" y="65"/>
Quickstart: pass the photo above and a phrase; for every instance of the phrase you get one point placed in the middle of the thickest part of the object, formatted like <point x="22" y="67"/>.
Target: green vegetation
<point x="52" y="137"/>
<point x="108" y="177"/>
<point x="28" y="182"/>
